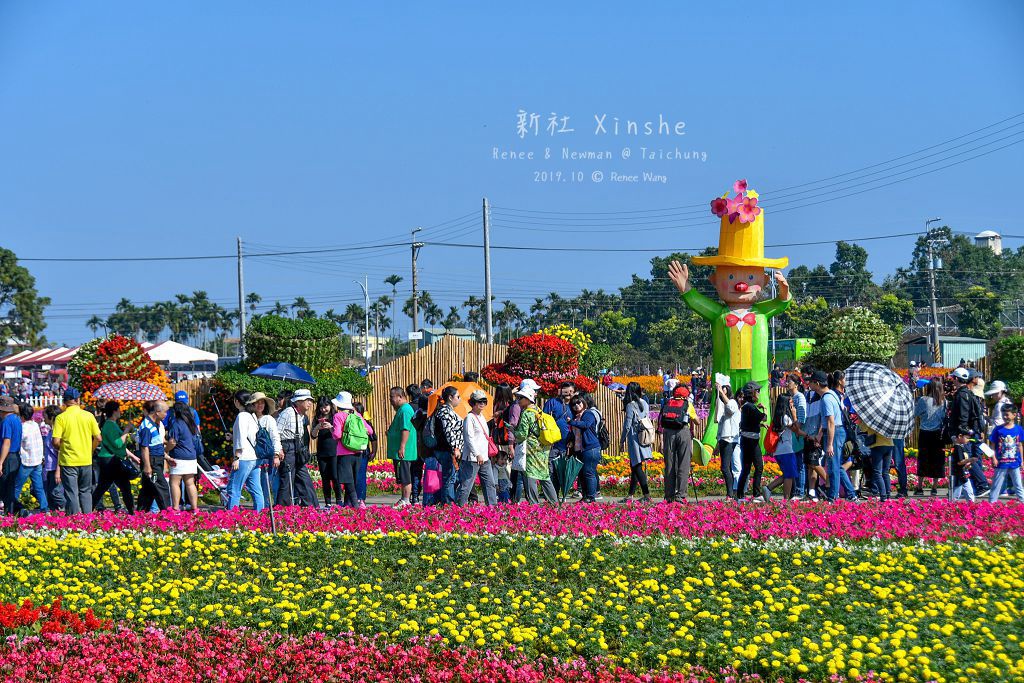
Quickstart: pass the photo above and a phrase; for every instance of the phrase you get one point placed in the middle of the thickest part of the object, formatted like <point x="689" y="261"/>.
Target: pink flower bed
<point x="932" y="520"/>
<point x="240" y="656"/>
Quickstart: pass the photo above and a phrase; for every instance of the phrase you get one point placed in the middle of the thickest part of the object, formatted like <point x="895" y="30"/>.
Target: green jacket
<point x="751" y="351"/>
<point x="723" y="335"/>
<point x="528" y="432"/>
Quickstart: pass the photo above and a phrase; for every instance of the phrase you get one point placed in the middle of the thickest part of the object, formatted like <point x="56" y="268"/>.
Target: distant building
<point x="953" y="349"/>
<point x="991" y="239"/>
<point x="432" y="335"/>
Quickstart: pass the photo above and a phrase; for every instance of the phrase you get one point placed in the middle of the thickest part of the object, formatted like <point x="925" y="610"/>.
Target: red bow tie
<point x="731" y="319"/>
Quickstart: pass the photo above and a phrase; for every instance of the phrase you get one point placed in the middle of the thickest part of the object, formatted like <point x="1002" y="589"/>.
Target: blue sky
<point x="171" y="128"/>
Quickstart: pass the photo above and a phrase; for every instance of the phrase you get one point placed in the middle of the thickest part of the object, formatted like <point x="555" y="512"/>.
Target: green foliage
<point x="852" y="334"/>
<point x="802" y="317"/>
<point x="656" y="299"/>
<point x="610" y="327"/>
<point x="683" y="338"/>
<point x="328" y="383"/>
<point x="894" y="311"/>
<point x="979" y="313"/>
<point x="1008" y="359"/>
<point x="311" y="343"/>
<point x="21" y="307"/>
<point x="599" y="357"/>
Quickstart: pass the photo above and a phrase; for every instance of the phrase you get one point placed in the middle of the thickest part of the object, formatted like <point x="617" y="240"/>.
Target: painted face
<point x="739" y="284"/>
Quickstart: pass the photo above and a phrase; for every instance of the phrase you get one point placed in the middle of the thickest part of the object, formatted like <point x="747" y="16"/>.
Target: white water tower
<point x="991" y="239"/>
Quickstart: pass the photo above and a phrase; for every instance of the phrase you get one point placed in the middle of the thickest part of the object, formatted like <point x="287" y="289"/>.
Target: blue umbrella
<point x="285" y="371"/>
<point x="617" y="386"/>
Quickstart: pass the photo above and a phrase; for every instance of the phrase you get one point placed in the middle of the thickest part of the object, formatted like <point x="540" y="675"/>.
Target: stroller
<point x="217" y="477"/>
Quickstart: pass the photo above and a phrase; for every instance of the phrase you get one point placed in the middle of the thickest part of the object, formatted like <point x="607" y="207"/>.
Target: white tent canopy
<point x="173" y="353"/>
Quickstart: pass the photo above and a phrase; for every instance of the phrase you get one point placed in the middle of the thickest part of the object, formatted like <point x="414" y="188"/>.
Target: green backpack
<point x="354" y="436"/>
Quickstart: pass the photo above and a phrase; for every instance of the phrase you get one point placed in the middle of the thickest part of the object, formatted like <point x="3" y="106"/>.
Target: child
<point x="960" y="476"/>
<point x="1008" y="441"/>
<point x="51" y="470"/>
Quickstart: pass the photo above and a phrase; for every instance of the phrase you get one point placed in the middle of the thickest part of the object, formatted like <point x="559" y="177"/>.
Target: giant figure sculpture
<point x="739" y="324"/>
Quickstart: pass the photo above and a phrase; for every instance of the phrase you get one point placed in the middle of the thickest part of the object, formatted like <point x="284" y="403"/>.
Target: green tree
<point x="801" y="318"/>
<point x="848" y="335"/>
<point x="252" y="299"/>
<point x="654" y="299"/>
<point x="610" y="327"/>
<point x="21" y="307"/>
<point x="979" y="313"/>
<point x="894" y="311"/>
<point x="851" y="280"/>
<point x="1008" y="363"/>
<point x="393" y="280"/>
<point x="452" y="319"/>
<point x="807" y="283"/>
<point x="683" y="338"/>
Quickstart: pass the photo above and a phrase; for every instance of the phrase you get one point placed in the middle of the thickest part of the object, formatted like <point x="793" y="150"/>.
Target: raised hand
<point x="680" y="275"/>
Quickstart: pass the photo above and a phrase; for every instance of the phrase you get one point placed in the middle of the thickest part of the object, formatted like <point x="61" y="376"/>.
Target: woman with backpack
<point x="262" y="406"/>
<point x="244" y="472"/>
<point x="637" y="410"/>
<point x="327" y="449"/>
<point x="527" y="433"/>
<point x="352" y="435"/>
<point x="584" y="442"/>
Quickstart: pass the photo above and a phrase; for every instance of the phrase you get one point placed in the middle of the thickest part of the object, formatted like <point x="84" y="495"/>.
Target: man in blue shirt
<point x="10" y="449"/>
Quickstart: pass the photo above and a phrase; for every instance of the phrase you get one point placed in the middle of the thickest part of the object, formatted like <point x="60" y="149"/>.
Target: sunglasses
<point x="482" y="401"/>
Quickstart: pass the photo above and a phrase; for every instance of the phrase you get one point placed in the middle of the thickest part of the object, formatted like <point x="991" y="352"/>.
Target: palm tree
<point x="379" y="320"/>
<point x="453" y="319"/>
<point x="423" y="302"/>
<point x="510" y="316"/>
<point x="95" y="323"/>
<point x="355" y="318"/>
<point x="300" y="307"/>
<point x="253" y="299"/>
<point x="433" y="314"/>
<point x="279" y="309"/>
<point x="393" y="280"/>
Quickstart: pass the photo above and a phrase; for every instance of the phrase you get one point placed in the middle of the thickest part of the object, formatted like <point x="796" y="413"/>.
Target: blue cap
<point x="71" y="394"/>
<point x="181" y="397"/>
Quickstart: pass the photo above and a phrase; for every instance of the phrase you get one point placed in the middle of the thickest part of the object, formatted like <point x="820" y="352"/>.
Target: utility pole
<point x="365" y="285"/>
<point x="416" y="246"/>
<point x="241" y="304"/>
<point x="487" y="272"/>
<point x="933" y="241"/>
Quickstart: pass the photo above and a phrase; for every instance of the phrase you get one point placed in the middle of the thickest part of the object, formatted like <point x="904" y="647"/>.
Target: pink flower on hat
<point x="740" y="186"/>
<point x="748" y="210"/>
<point x="719" y="206"/>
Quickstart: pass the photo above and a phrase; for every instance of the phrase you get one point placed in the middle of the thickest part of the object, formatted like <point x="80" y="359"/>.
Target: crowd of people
<point x="25" y="388"/>
<point x="443" y="444"/>
<point x="826" y="452"/>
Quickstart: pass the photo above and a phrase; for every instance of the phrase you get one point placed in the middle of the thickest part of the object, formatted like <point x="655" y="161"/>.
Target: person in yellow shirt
<point x="76" y="434"/>
<point x="881" y="460"/>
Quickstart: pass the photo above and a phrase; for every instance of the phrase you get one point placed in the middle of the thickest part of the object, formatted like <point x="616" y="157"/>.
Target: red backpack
<point x="676" y="413"/>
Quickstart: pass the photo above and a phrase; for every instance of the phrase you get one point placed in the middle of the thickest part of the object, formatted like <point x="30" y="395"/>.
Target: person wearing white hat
<point x="996" y="393"/>
<point x="527" y="432"/>
<point x="348" y="458"/>
<point x="293" y="429"/>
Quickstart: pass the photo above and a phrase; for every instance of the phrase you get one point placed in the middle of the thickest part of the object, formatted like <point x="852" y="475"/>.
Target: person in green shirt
<point x="112" y="455"/>
<point x="402" y="443"/>
<point x="527" y="432"/>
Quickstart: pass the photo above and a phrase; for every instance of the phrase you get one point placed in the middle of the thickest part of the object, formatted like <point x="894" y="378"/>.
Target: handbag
<point x="431" y="476"/>
<point x="492" y="448"/>
<point x="129" y="469"/>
